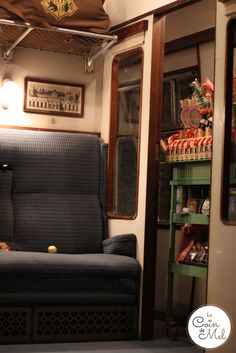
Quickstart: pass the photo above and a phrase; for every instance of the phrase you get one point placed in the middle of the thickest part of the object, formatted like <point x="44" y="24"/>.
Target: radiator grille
<point x="68" y="324"/>
<point x="15" y="325"/>
<point x="65" y="324"/>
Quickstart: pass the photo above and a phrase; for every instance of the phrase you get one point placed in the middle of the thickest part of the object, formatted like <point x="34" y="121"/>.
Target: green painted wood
<point x="189" y="182"/>
<point x="192" y="172"/>
<point x="189" y="173"/>
<point x="189" y="270"/>
<point x="190" y="218"/>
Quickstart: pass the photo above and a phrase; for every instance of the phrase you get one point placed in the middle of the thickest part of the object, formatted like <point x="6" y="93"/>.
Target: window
<point x="176" y="86"/>
<point x="124" y="141"/>
<point x="228" y="209"/>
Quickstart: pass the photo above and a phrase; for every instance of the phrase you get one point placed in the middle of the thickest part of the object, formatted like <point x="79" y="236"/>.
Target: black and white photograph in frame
<point x="54" y="98"/>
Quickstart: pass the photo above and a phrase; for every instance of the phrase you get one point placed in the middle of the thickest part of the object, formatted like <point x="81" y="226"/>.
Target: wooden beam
<point x="150" y="240"/>
<point x="191" y="40"/>
<point x="130" y="30"/>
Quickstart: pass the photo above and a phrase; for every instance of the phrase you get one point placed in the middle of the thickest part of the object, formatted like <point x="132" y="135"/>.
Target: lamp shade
<point x="8" y="91"/>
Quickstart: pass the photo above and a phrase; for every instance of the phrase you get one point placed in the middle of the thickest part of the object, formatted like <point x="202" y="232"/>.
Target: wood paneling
<point x="150" y="241"/>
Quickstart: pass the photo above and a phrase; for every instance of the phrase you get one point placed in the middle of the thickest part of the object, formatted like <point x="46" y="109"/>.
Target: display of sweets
<point x="202" y="128"/>
<point x="194" y="141"/>
<point x="204" y="96"/>
<point x="209" y="126"/>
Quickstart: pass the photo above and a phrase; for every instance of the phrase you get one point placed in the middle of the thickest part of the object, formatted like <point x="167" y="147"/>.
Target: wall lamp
<point x="8" y="92"/>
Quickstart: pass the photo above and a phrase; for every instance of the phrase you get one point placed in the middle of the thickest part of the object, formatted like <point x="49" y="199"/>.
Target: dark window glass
<point x="229" y="171"/>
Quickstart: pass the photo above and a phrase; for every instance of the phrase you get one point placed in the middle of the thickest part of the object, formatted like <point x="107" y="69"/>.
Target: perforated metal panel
<point x="84" y="323"/>
<point x="15" y="325"/>
<point x="64" y="324"/>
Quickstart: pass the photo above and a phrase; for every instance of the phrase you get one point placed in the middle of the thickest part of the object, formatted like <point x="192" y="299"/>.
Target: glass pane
<point x="229" y="176"/>
<point x="125" y="136"/>
<point x="168" y="111"/>
<point x="176" y="86"/>
<point x="232" y="179"/>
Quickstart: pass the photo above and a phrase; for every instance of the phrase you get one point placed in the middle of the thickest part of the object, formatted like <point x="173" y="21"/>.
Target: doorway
<point x="188" y="51"/>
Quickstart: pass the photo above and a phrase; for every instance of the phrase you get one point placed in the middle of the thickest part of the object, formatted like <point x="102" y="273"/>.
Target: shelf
<point x="67" y="41"/>
<point x="187" y="161"/>
<point x="189" y="218"/>
<point x="190" y="182"/>
<point x="191" y="173"/>
<point x="189" y="270"/>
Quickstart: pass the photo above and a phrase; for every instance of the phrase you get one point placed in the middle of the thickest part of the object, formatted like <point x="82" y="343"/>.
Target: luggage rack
<point x="68" y="41"/>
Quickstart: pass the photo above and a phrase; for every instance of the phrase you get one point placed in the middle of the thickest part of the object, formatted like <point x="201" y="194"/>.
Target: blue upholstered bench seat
<point x="57" y="279"/>
<point x="53" y="192"/>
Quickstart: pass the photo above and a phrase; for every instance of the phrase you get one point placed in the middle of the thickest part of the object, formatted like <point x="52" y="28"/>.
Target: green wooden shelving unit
<point x="189" y="174"/>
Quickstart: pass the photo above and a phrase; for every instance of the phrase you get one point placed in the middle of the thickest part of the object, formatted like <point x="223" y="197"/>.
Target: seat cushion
<point x="52" y="191"/>
<point x="46" y="279"/>
<point x="63" y="220"/>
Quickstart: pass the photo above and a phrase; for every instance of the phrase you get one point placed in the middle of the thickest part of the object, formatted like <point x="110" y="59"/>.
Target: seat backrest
<point x="51" y="188"/>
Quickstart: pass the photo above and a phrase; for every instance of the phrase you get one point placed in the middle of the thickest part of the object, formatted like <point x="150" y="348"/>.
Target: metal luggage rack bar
<point x="64" y="40"/>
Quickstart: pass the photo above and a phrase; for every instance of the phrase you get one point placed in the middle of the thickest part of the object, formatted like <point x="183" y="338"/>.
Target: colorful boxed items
<point x="194" y="141"/>
<point x="193" y="245"/>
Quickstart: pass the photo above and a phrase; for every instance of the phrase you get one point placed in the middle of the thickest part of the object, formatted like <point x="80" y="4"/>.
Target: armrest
<point x="122" y="244"/>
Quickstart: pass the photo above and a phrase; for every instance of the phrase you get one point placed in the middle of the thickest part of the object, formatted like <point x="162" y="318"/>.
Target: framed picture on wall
<point x="54" y="98"/>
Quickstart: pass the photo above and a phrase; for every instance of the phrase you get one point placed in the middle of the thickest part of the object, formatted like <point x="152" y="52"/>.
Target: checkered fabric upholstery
<point x="50" y="191"/>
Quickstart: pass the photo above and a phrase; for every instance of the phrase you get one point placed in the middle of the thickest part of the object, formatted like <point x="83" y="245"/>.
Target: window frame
<point x="227" y="152"/>
<point x="113" y="131"/>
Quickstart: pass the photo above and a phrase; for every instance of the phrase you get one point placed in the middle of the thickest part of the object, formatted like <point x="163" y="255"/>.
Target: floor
<point x="155" y="346"/>
<point x="160" y="344"/>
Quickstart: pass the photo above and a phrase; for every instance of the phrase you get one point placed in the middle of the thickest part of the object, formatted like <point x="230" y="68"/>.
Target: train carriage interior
<point x="117" y="176"/>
